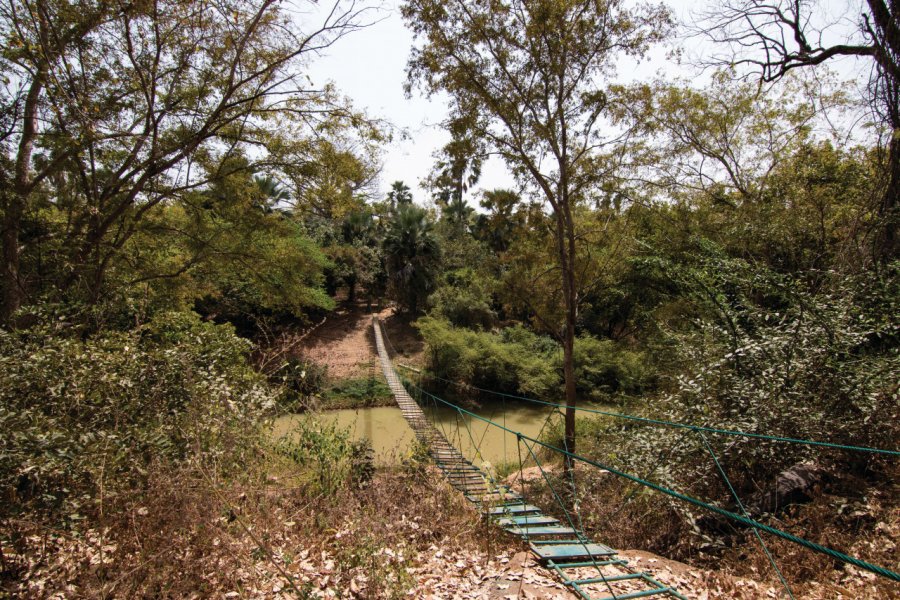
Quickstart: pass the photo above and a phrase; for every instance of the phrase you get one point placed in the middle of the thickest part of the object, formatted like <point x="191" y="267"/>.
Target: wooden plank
<point x="542" y="530"/>
<point x="527" y="520"/>
<point x="571" y="551"/>
<point x="593" y="563"/>
<point x="513" y="509"/>
<point x="491" y="497"/>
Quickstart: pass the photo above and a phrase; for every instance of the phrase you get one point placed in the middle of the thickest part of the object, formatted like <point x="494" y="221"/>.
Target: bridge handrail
<point x="677" y="425"/>
<point x="881" y="571"/>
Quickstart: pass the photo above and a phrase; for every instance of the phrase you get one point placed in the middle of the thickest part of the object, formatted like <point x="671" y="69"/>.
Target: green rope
<point x="704" y="505"/>
<point x="582" y="541"/>
<point x="740" y="504"/>
<point x="663" y="457"/>
<point x="676" y="425"/>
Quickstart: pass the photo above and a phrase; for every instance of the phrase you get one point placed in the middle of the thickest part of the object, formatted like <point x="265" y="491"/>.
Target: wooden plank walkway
<point x="584" y="566"/>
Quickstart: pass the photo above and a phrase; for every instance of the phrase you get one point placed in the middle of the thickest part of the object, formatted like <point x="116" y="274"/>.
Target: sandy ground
<point x="345" y="342"/>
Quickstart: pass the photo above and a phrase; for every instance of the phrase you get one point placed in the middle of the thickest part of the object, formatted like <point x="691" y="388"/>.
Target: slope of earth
<point x="345" y="344"/>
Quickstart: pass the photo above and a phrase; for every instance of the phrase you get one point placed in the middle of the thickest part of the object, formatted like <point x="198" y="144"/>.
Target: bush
<point x="328" y="457"/>
<point x="361" y="391"/>
<point x="300" y="379"/>
<point x="822" y="365"/>
<point x="603" y="368"/>
<point x="516" y="361"/>
<point x="81" y="414"/>
<point x="464" y="300"/>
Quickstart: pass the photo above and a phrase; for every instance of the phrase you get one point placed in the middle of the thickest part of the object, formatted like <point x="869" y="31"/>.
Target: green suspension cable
<point x="582" y="541"/>
<point x="676" y="425"/>
<point x="740" y="504"/>
<point x="881" y="571"/>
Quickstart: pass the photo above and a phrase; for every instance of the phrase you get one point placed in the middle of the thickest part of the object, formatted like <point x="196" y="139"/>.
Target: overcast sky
<point x="369" y="66"/>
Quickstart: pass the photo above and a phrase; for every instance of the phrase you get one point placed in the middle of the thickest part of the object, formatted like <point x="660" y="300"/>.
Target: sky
<point x="369" y="67"/>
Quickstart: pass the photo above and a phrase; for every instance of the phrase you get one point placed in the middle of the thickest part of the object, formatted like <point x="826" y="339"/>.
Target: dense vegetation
<point x="179" y="203"/>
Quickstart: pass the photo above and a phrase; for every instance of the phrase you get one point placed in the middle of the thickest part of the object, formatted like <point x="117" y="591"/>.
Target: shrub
<point x="81" y="414"/>
<point x="821" y="366"/>
<point x="327" y="456"/>
<point x="516" y="361"/>
<point x="300" y="379"/>
<point x="464" y="300"/>
<point x="361" y="391"/>
<point x="604" y="368"/>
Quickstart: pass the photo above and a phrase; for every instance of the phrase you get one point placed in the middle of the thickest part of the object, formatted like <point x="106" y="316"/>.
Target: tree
<point x="458" y="213"/>
<point x="362" y="253"/>
<point x="458" y="165"/>
<point x="107" y="107"/>
<point x="412" y="255"/>
<point x="724" y="139"/>
<point x="775" y="37"/>
<point x="224" y="249"/>
<point x="498" y="226"/>
<point x="525" y="79"/>
<point x="400" y="194"/>
<point x="273" y="192"/>
<point x="330" y="177"/>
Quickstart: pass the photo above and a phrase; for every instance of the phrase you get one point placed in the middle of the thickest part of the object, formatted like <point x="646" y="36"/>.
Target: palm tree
<point x="412" y="255"/>
<point x="272" y="191"/>
<point x="458" y="213"/>
<point x="358" y="226"/>
<point x="399" y="195"/>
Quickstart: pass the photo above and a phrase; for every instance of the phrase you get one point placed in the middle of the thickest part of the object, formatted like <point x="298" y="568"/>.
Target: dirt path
<point x="345" y="343"/>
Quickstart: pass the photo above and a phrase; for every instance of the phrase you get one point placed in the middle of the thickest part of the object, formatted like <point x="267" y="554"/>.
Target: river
<point x="392" y="437"/>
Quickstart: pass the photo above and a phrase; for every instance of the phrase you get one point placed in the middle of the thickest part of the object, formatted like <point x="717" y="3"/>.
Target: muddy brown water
<point x="392" y="438"/>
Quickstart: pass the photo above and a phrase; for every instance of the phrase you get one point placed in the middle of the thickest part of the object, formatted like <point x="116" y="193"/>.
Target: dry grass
<point x="858" y="517"/>
<point x="193" y="535"/>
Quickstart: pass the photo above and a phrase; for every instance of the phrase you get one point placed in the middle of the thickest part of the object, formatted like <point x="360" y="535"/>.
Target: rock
<point x="793" y="486"/>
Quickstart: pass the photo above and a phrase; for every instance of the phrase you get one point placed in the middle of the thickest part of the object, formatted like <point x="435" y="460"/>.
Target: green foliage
<point x="360" y="391"/>
<point x="225" y="252"/>
<point x="464" y="299"/>
<point x="516" y="361"/>
<point x="412" y="255"/>
<point x="146" y="128"/>
<point x="358" y="258"/>
<point x="85" y="414"/>
<point x="399" y="195"/>
<point x="300" y="379"/>
<point x="327" y="455"/>
<point x="603" y="368"/>
<point x="770" y="355"/>
<point x="783" y="358"/>
<point x="502" y="221"/>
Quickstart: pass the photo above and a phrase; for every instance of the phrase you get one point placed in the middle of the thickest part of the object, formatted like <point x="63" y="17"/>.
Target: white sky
<point x="369" y="67"/>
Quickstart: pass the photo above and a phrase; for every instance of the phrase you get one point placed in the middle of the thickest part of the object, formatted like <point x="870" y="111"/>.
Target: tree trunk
<point x="565" y="246"/>
<point x="571" y="295"/>
<point x="351" y="289"/>
<point x="13" y="294"/>
<point x="13" y="290"/>
<point x="571" y="399"/>
<point x="888" y="211"/>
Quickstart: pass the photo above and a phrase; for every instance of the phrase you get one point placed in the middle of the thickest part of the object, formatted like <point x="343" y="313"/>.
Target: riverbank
<point x="272" y="534"/>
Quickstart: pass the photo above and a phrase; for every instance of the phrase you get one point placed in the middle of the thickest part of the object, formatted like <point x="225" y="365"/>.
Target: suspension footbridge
<point x="581" y="563"/>
<point x="592" y="570"/>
